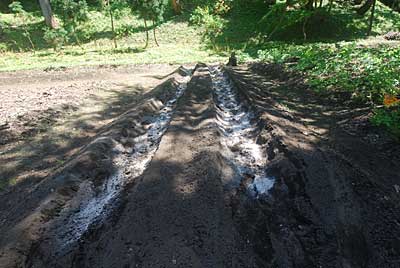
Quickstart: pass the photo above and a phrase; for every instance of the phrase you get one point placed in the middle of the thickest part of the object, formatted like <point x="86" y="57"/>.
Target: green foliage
<point x="367" y="72"/>
<point x="18" y="10"/>
<point x="3" y="48"/>
<point x="151" y="9"/>
<point x="117" y="7"/>
<point x="388" y="118"/>
<point x="212" y="24"/>
<point x="56" y="37"/>
<point x="73" y="14"/>
<point x="71" y="11"/>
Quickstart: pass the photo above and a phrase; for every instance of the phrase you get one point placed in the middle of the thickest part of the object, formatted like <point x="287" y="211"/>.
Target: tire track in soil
<point x="84" y="193"/>
<point x="239" y="127"/>
<point x="99" y="202"/>
<point x="178" y="212"/>
<point x="326" y="209"/>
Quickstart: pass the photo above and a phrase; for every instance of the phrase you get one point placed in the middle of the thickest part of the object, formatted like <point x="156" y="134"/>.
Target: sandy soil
<point x="335" y="201"/>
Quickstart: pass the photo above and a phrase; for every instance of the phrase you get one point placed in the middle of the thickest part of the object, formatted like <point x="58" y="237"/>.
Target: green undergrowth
<point x="388" y="118"/>
<point x="329" y="48"/>
<point x="244" y="27"/>
<point x="179" y="43"/>
<point x="366" y="73"/>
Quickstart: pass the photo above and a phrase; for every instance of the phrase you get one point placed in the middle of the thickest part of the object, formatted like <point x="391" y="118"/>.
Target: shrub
<point x="388" y="118"/>
<point x="55" y="37"/>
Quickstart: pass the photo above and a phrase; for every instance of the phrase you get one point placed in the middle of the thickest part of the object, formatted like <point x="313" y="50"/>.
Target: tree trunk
<point x="365" y="7"/>
<point x="330" y="6"/>
<point x="154" y="33"/>
<point x="309" y="5"/>
<point x="371" y="19"/>
<point x="48" y="13"/>
<point x="177" y="6"/>
<point x="147" y="34"/>
<point x="113" y="28"/>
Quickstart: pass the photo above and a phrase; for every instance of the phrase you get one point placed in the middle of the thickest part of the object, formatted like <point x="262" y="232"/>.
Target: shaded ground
<point x="28" y="209"/>
<point x="46" y="116"/>
<point x="335" y="201"/>
<point x="175" y="214"/>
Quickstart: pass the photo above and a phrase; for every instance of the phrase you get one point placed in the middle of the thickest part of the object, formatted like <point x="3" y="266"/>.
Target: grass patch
<point x="179" y="43"/>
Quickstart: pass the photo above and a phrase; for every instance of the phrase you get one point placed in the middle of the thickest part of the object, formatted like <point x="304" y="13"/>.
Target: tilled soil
<point x="334" y="201"/>
<point x="175" y="214"/>
<point x="47" y="116"/>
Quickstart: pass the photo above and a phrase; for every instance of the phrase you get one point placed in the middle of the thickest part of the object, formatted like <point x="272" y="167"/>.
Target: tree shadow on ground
<point x="44" y="144"/>
<point x="15" y="40"/>
<point x="253" y="28"/>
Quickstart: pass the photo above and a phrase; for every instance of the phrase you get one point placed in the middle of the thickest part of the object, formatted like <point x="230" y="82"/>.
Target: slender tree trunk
<point x="330" y="6"/>
<point x="304" y="29"/>
<point x="147" y="33"/>
<point x="78" y="41"/>
<point x="279" y="23"/>
<point x="48" y="13"/>
<point x="113" y="28"/>
<point x="310" y="5"/>
<point x="371" y="19"/>
<point x="27" y="34"/>
<point x="176" y="5"/>
<point x="365" y="7"/>
<point x="154" y="33"/>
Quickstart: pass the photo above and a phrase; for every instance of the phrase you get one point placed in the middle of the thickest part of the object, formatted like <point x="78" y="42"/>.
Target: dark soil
<point x="335" y="202"/>
<point x="47" y="116"/>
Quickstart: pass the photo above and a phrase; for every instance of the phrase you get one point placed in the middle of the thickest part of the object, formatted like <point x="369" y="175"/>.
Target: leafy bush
<point x="18" y="10"/>
<point x="55" y="37"/>
<point x="213" y="24"/>
<point x="388" y="118"/>
<point x="73" y="14"/>
<point x="369" y="73"/>
<point x="198" y="16"/>
<point x="3" y="48"/>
